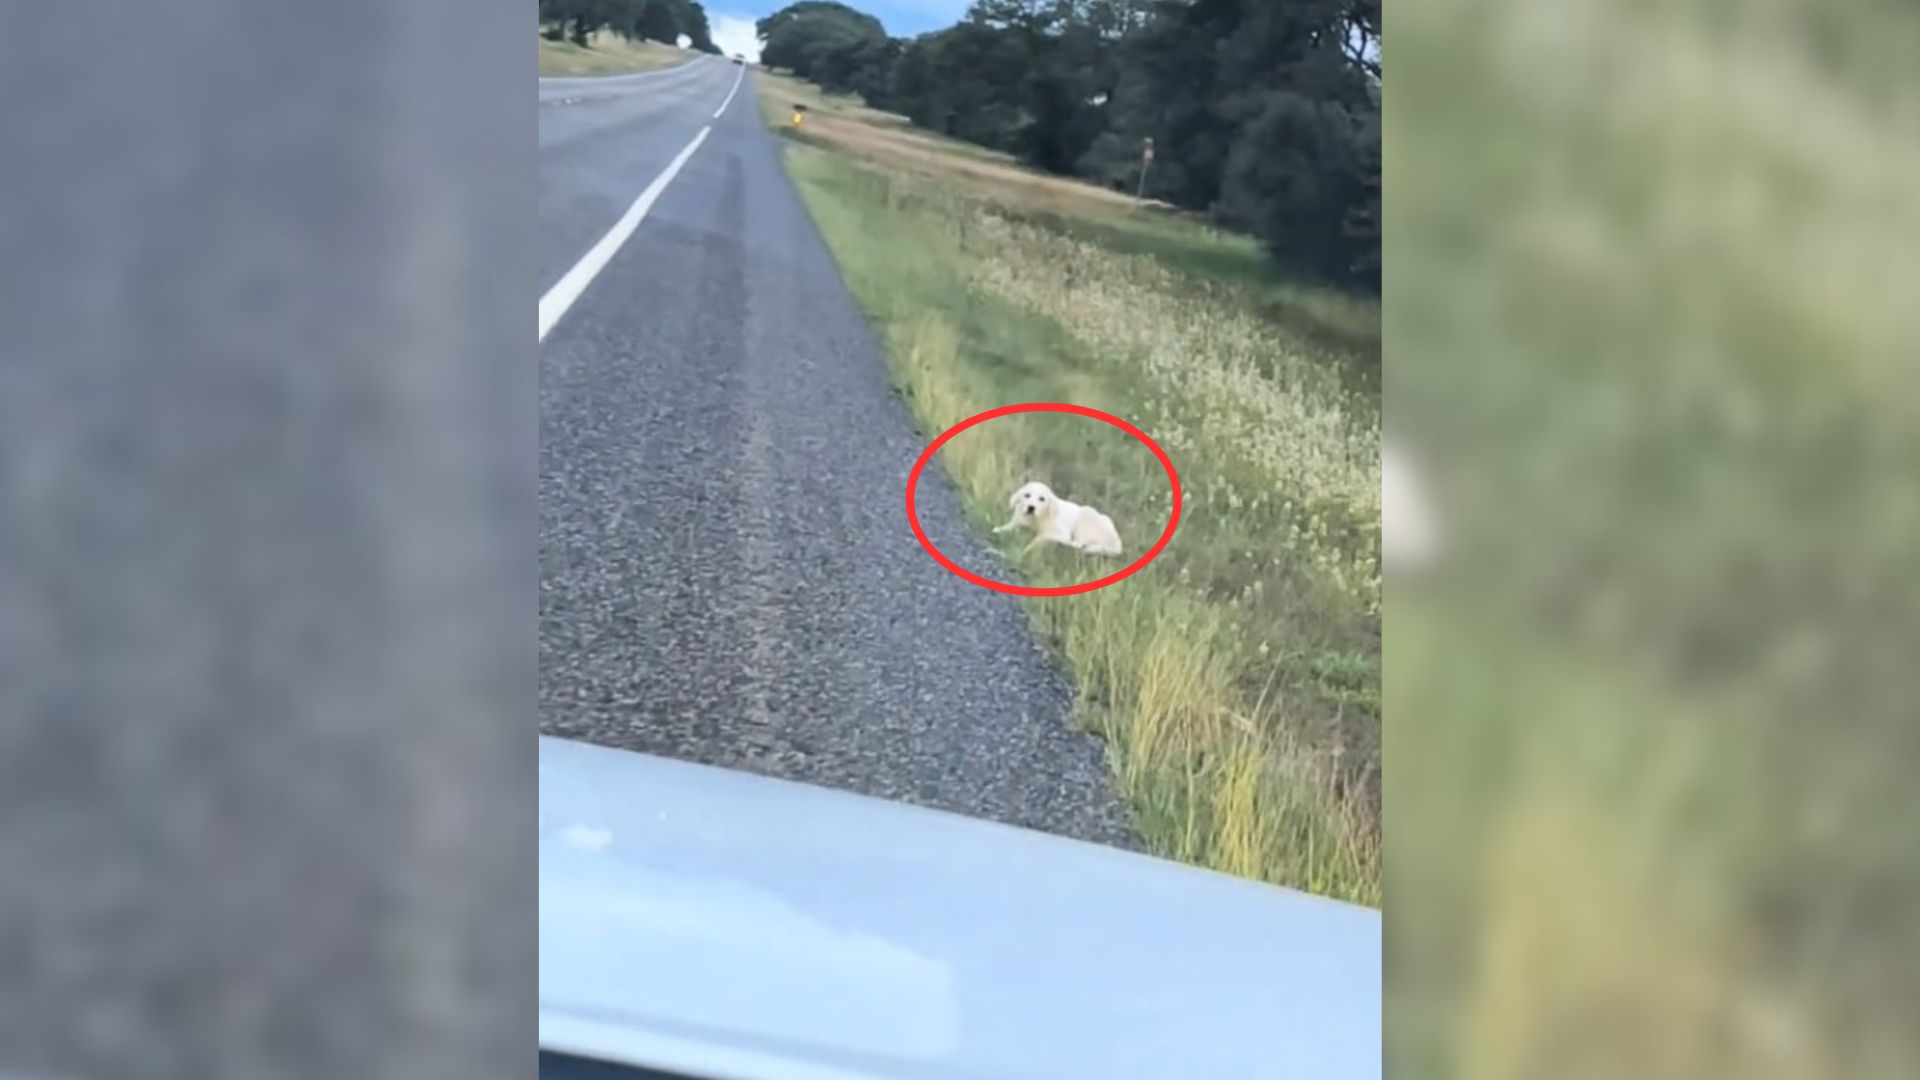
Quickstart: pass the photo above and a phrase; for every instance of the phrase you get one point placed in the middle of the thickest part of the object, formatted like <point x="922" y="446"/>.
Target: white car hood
<point x="725" y="925"/>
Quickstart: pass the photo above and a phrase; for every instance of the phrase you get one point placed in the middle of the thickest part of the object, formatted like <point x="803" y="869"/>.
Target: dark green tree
<point x="841" y="49"/>
<point x="1265" y="114"/>
<point x="657" y="20"/>
<point x="768" y="26"/>
<point x="553" y="19"/>
<point x="695" y="24"/>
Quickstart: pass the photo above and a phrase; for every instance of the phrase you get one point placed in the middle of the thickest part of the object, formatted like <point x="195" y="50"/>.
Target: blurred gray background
<point x="267" y="559"/>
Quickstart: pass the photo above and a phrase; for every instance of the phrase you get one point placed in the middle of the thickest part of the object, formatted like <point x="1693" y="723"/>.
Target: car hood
<point x="725" y="925"/>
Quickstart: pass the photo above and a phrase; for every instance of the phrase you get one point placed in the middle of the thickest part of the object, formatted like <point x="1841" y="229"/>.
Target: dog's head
<point x="1033" y="500"/>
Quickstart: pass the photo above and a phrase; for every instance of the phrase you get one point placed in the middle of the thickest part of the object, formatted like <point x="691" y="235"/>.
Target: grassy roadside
<point x="1236" y="679"/>
<point x="1653" y="718"/>
<point x="607" y="54"/>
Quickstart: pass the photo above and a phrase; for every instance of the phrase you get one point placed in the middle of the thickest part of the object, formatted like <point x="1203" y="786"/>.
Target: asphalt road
<point x="726" y="570"/>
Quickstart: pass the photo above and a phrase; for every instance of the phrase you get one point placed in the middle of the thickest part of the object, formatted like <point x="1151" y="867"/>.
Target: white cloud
<point x="735" y="34"/>
<point x="586" y="837"/>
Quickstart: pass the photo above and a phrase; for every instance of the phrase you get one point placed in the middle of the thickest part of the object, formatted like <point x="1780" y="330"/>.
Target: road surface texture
<point x="726" y="570"/>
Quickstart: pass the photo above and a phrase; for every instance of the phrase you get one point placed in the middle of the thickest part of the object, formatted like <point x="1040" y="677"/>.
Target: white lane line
<point x="730" y="93"/>
<point x="575" y="281"/>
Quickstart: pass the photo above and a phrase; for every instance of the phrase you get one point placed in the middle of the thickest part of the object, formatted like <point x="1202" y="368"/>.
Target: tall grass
<point x="1651" y="274"/>
<point x="1235" y="679"/>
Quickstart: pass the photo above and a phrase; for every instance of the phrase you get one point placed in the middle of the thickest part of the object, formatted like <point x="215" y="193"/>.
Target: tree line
<point x="647" y="20"/>
<point x="1263" y="114"/>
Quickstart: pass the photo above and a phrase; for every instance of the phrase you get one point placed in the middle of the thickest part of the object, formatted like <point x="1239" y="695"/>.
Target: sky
<point x="731" y="21"/>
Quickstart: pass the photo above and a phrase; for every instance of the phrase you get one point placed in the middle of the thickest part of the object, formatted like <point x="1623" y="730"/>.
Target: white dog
<point x="1082" y="528"/>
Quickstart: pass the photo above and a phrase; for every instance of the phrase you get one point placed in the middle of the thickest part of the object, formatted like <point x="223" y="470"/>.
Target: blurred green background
<point x="1653" y="336"/>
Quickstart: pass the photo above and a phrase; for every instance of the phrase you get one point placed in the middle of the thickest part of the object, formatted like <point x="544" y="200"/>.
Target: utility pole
<point x="1146" y="162"/>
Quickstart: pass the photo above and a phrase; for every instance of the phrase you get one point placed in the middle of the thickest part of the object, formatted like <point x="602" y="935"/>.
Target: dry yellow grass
<point x="883" y="138"/>
<point x="607" y="54"/>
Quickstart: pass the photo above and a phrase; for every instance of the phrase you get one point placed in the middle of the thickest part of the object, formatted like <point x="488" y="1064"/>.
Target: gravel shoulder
<point x="727" y="575"/>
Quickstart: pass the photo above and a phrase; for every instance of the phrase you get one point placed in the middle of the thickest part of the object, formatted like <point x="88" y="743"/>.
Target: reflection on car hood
<point x="727" y="925"/>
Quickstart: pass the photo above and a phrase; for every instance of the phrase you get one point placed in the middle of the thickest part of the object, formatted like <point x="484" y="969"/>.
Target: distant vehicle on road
<point x="700" y="922"/>
<point x="738" y="59"/>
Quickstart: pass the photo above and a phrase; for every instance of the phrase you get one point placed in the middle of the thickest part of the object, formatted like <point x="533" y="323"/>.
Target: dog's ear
<point x="1013" y="500"/>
